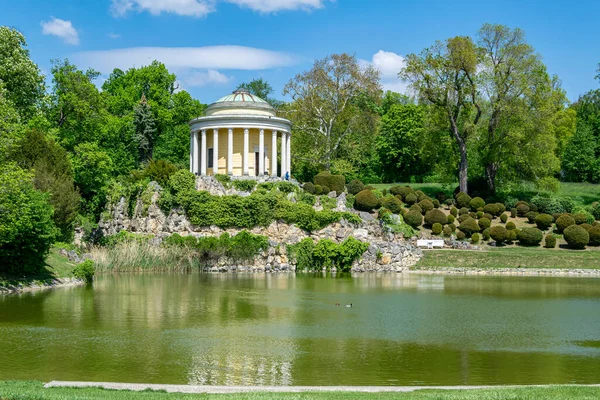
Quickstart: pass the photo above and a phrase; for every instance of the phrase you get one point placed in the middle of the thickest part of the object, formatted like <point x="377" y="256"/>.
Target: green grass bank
<point x="35" y="391"/>
<point x="57" y="266"/>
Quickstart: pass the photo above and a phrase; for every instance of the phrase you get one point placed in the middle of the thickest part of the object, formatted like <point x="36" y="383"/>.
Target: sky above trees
<point x="214" y="45"/>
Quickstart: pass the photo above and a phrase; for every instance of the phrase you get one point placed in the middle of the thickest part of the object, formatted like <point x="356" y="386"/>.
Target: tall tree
<point x="145" y="129"/>
<point x="444" y="76"/>
<point x="10" y="124"/>
<point x="262" y="89"/>
<point x="330" y="107"/>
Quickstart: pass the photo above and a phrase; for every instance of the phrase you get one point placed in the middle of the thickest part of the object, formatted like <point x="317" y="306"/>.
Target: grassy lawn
<point x="56" y="266"/>
<point x="511" y="257"/>
<point x="35" y="391"/>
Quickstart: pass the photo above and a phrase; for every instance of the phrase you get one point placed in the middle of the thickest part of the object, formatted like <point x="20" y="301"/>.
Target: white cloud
<point x="113" y="35"/>
<point x="389" y="64"/>
<point x="268" y="6"/>
<point x="205" y="78"/>
<point x="61" y="28"/>
<point x="190" y="8"/>
<point x="181" y="58"/>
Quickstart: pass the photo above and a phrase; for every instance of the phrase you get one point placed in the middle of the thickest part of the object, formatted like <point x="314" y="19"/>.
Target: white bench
<point x="430" y="243"/>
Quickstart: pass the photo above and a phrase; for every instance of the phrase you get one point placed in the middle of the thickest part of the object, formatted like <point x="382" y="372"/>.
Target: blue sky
<point x="213" y="45"/>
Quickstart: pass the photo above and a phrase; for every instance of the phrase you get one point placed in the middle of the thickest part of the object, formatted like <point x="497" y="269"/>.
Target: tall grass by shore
<point x="142" y="256"/>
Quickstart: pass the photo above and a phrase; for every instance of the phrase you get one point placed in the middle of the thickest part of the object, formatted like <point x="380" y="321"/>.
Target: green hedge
<point x="246" y="185"/>
<point x="530" y="236"/>
<point x="576" y="237"/>
<point x="333" y="182"/>
<point x="326" y="253"/>
<point x="365" y="200"/>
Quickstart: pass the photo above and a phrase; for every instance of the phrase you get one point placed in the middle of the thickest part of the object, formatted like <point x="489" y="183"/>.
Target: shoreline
<point x="39" y="285"/>
<point x="545" y="272"/>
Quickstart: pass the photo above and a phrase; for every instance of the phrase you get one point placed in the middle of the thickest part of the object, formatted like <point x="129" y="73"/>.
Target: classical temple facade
<point x="240" y="135"/>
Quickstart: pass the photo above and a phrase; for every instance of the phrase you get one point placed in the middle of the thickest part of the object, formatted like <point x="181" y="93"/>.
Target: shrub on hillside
<point x="576" y="237"/>
<point x="563" y="222"/>
<point x="511" y="226"/>
<point x="486" y="234"/>
<point x="421" y="196"/>
<point x="355" y="186"/>
<point x="333" y="182"/>
<point x="160" y="171"/>
<point x="413" y="218"/>
<point x="417" y="208"/>
<point x="484" y="223"/>
<point x="410" y="199"/>
<point x="435" y="216"/>
<point x="549" y="241"/>
<point x="499" y="234"/>
<point x="522" y="209"/>
<point x="580" y="218"/>
<point x="436" y="203"/>
<point x="447" y="231"/>
<point x="325" y="190"/>
<point x="426" y="205"/>
<point x="391" y="203"/>
<point x="463" y="200"/>
<point x="402" y="191"/>
<point x="460" y="235"/>
<point x="244" y="185"/>
<point x="463" y="217"/>
<point x="594" y="233"/>
<point x="586" y="226"/>
<point x="440" y="196"/>
<point x="318" y="190"/>
<point x="475" y="238"/>
<point x="452" y="227"/>
<point x="531" y="216"/>
<point x="530" y="236"/>
<point x="451" y="218"/>
<point x="513" y="213"/>
<point x="469" y="226"/>
<point x="503" y="218"/>
<point x="476" y="203"/>
<point x="366" y="201"/>
<point x="595" y="210"/>
<point x="513" y="235"/>
<point x="309" y="187"/>
<point x="454" y="211"/>
<point x="84" y="271"/>
<point x="463" y="211"/>
<point x="436" y="228"/>
<point x="544" y="221"/>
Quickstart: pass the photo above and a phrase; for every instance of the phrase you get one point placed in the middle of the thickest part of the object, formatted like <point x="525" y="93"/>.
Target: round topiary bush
<point x="417" y="208"/>
<point x="544" y="221"/>
<point x="435" y="216"/>
<point x="475" y="238"/>
<point x="463" y="211"/>
<point x="454" y="211"/>
<point x="392" y="204"/>
<point x="451" y="218"/>
<point x="365" y="200"/>
<point x="488" y="216"/>
<point x="594" y="233"/>
<point x="410" y="199"/>
<point x="580" y="218"/>
<point x="479" y="214"/>
<point x="491" y="209"/>
<point x="563" y="222"/>
<point x="473" y="215"/>
<point x="452" y="227"/>
<point x="463" y="200"/>
<point x="463" y="217"/>
<point x="333" y="182"/>
<point x="355" y="186"/>
<point x="469" y="226"/>
<point x="557" y="215"/>
<point x="522" y="210"/>
<point x="421" y="196"/>
<point x="436" y="228"/>
<point x="486" y="234"/>
<point x="576" y="237"/>
<point x="436" y="203"/>
<point x="586" y="226"/>
<point x="318" y="189"/>
<point x="413" y="218"/>
<point x="513" y="235"/>
<point x="460" y="235"/>
<point x="499" y="234"/>
<point x="530" y="236"/>
<point x="325" y="189"/>
<point x="549" y="241"/>
<point x="511" y="226"/>
<point x="485" y="223"/>
<point x="402" y="191"/>
<point x="513" y="213"/>
<point x="369" y="187"/>
<point x="426" y="205"/>
<point x="503" y="218"/>
<point x="476" y="203"/>
<point x="500" y="208"/>
<point x="309" y="188"/>
<point x="531" y="216"/>
<point x="447" y="231"/>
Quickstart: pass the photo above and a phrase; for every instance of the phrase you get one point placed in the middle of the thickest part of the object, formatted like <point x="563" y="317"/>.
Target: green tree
<point x="10" y="124"/>
<point x="444" y="76"/>
<point x="262" y="89"/>
<point x="26" y="227"/>
<point x="145" y="129"/>
<point x="93" y="168"/>
<point x="19" y="75"/>
<point x="580" y="163"/>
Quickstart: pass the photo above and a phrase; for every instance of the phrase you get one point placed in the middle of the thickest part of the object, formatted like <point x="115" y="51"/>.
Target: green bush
<point x="416" y="207"/>
<point x="531" y="216"/>
<point x="462" y="200"/>
<point x="436" y="228"/>
<point x="182" y="181"/>
<point x="326" y="253"/>
<point x="325" y="190"/>
<point x="488" y="216"/>
<point x="318" y="190"/>
<point x="355" y="186"/>
<point x="410" y="199"/>
<point x="451" y="218"/>
<point x="245" y="185"/>
<point x="549" y="241"/>
<point x="475" y="238"/>
<point x="452" y="227"/>
<point x="586" y="226"/>
<point x="522" y="209"/>
<point x="85" y="271"/>
<point x="576" y="237"/>
<point x="454" y="211"/>
<point x="421" y="196"/>
<point x="582" y="216"/>
<point x="594" y="233"/>
<point x="513" y="235"/>
<point x="333" y="182"/>
<point x="476" y="203"/>
<point x="503" y="218"/>
<point x="530" y="236"/>
<point x="413" y="218"/>
<point x="426" y="205"/>
<point x="479" y="214"/>
<point x="486" y="234"/>
<point x="463" y="211"/>
<point x="435" y="216"/>
<point x="160" y="171"/>
<point x="484" y="223"/>
<point x="391" y="203"/>
<point x="469" y="226"/>
<point x="288" y="187"/>
<point x="447" y="231"/>
<point x="499" y="234"/>
<point x="544" y="221"/>
<point x="563" y="222"/>
<point x="402" y="191"/>
<point x="225" y="180"/>
<point x="511" y="226"/>
<point x="365" y="200"/>
<point x="301" y="254"/>
<point x="309" y="187"/>
<point x="460" y="235"/>
<point x="595" y="210"/>
<point x="463" y="217"/>
<point x="436" y="203"/>
<point x="513" y="213"/>
<point x="547" y="205"/>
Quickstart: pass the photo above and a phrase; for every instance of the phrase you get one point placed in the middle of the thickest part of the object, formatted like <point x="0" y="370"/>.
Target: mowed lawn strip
<point x="513" y="257"/>
<point x="32" y="390"/>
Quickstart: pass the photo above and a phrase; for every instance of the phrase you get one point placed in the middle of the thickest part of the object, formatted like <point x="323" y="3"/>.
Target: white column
<point x="203" y="154"/>
<point x="274" y="154"/>
<point x="195" y="168"/>
<point x="192" y="152"/>
<point x="215" y="151"/>
<point x="230" y="151"/>
<point x="283" y="160"/>
<point x="246" y="155"/>
<point x="261" y="153"/>
<point x="288" y="155"/>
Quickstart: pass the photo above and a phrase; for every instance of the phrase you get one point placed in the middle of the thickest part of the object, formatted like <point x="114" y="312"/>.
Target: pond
<point x="225" y="329"/>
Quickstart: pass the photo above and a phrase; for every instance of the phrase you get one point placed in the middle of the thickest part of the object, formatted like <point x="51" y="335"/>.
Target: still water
<point x="286" y="330"/>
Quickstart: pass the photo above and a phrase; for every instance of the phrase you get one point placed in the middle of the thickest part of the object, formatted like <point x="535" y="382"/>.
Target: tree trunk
<point x="463" y="167"/>
<point x="491" y="170"/>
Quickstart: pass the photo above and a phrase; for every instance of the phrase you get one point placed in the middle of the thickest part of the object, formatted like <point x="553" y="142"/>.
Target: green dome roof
<point x="241" y="95"/>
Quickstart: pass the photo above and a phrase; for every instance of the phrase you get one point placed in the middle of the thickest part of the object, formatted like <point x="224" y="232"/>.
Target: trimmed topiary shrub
<point x="85" y="271"/>
<point x="366" y="201"/>
<point x="513" y="213"/>
<point x="544" y="221"/>
<point x="576" y="237"/>
<point x="415" y="207"/>
<point x="454" y="211"/>
<point x="473" y="215"/>
<point x="325" y="189"/>
<point x="580" y="218"/>
<point x="594" y="233"/>
<point x="463" y="217"/>
<point x="563" y="222"/>
<point x="448" y="231"/>
<point x="486" y="234"/>
<point x="309" y="187"/>
<point x="531" y="216"/>
<point x="511" y="226"/>
<point x="421" y="196"/>
<point x="333" y="182"/>
<point x="463" y="211"/>
<point x="426" y="205"/>
<point x="479" y="214"/>
<point x="522" y="209"/>
<point x="513" y="235"/>
<point x="586" y="226"/>
<point x="476" y="203"/>
<point x="499" y="234"/>
<point x="463" y="200"/>
<point x="460" y="235"/>
<point x="549" y="241"/>
<point x="436" y="228"/>
<point x="392" y="204"/>
<point x="402" y="191"/>
<point x="410" y="199"/>
<point x="451" y="218"/>
<point x="484" y="223"/>
<point x="530" y="236"/>
<point x="318" y="190"/>
<point x="355" y="186"/>
<point x="413" y="218"/>
<point x="436" y="203"/>
<point x="435" y="216"/>
<point x="503" y="218"/>
<point x="469" y="226"/>
<point x="475" y="238"/>
<point x="488" y="216"/>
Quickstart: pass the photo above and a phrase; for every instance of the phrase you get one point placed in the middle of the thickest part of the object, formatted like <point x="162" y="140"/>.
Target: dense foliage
<point x="326" y="254"/>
